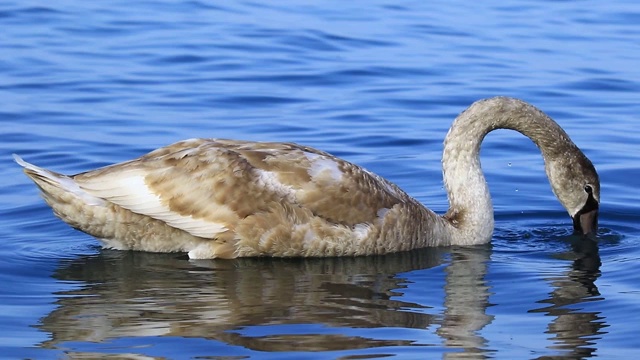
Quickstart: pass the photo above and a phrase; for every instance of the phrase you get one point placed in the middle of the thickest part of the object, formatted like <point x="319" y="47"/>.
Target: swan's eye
<point x="588" y="189"/>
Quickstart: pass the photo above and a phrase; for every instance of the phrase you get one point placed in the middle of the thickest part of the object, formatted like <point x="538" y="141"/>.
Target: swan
<point x="216" y="198"/>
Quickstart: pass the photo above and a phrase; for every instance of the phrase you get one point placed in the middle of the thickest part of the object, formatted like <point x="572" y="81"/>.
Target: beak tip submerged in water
<point x="586" y="223"/>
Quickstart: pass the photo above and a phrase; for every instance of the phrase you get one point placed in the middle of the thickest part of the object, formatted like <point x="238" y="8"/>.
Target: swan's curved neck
<point x="470" y="208"/>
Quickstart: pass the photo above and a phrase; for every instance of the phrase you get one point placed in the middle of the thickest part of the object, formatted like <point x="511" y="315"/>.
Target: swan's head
<point x="575" y="182"/>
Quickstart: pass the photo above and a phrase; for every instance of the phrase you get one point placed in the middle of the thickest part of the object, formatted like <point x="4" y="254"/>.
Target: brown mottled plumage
<point x="225" y="198"/>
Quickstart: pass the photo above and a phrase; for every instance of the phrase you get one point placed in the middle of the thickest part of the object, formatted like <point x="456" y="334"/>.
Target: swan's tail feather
<point x="61" y="192"/>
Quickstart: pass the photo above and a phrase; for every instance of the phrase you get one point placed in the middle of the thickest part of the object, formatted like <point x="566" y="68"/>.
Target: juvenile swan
<point x="217" y="198"/>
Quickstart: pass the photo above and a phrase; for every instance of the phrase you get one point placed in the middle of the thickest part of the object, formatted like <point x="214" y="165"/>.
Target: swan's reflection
<point x="466" y="302"/>
<point x="298" y="304"/>
<point x="131" y="294"/>
<point x="574" y="330"/>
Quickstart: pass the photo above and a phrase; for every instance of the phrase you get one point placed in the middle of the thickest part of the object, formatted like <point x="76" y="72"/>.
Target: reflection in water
<point x="466" y="302"/>
<point x="575" y="331"/>
<point x="132" y="294"/>
<point x="301" y="304"/>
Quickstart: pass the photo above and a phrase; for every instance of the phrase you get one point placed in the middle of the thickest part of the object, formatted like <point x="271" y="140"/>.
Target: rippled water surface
<point x="86" y="84"/>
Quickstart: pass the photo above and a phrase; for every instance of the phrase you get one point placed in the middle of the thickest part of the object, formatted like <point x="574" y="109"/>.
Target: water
<point x="86" y="84"/>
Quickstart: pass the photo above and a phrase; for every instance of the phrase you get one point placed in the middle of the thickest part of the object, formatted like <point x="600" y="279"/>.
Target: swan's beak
<point x="586" y="223"/>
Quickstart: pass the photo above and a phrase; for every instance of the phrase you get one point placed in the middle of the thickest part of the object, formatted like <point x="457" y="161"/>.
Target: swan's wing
<point x="205" y="187"/>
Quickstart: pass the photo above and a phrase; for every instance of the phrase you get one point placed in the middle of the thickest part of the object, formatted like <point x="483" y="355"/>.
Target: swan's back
<point x="238" y="198"/>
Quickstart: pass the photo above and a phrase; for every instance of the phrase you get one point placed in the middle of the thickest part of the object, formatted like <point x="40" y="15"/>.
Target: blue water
<point x="85" y="84"/>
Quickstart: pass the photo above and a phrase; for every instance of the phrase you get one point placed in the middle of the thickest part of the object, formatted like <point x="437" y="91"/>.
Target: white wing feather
<point x="129" y="190"/>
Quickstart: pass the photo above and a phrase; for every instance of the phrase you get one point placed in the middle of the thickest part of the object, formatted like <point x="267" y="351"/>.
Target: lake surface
<point x="86" y="84"/>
